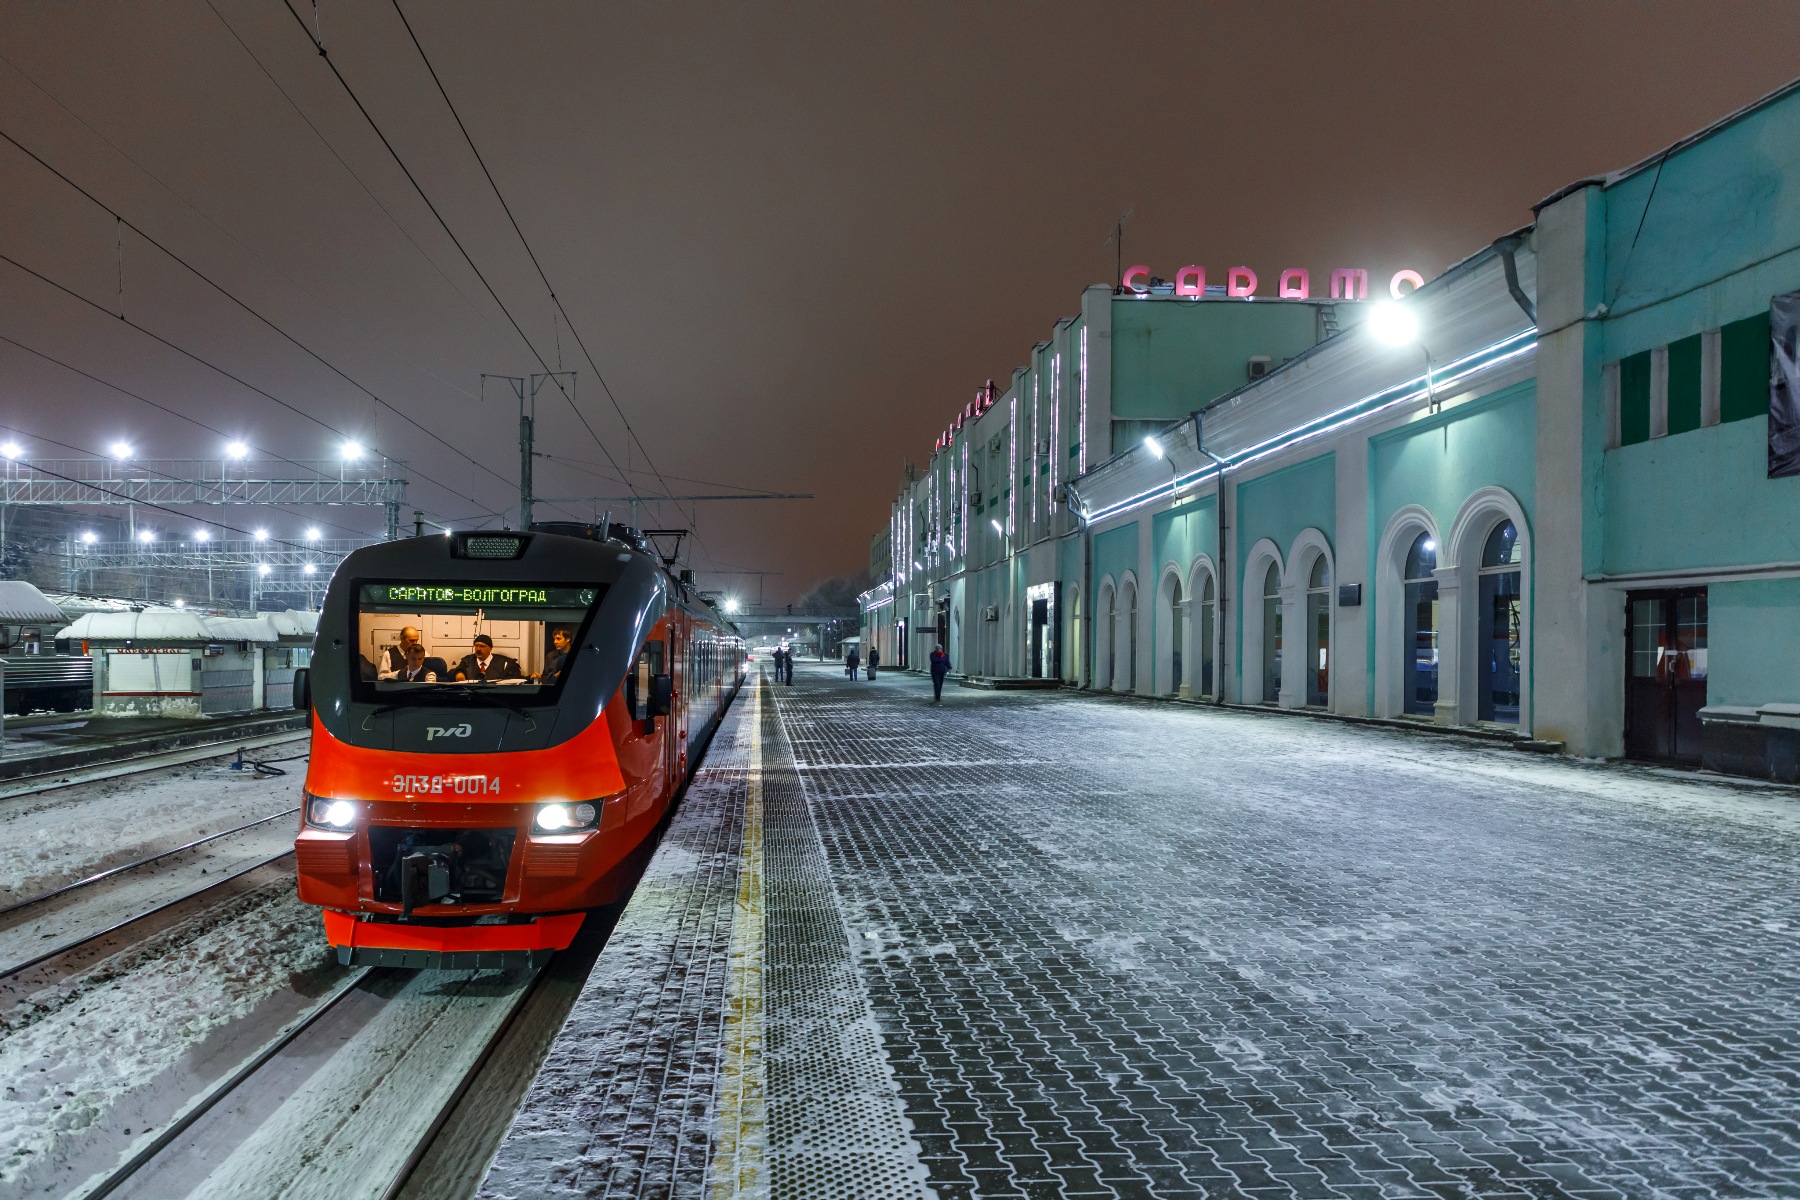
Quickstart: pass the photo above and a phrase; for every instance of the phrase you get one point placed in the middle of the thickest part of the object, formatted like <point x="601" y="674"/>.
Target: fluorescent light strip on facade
<point x="1413" y="389"/>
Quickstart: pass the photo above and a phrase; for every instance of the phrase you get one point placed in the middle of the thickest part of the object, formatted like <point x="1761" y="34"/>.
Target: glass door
<point x="1665" y="682"/>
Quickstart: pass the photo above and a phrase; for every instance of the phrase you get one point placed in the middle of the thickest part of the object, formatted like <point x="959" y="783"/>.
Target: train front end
<point x="465" y="805"/>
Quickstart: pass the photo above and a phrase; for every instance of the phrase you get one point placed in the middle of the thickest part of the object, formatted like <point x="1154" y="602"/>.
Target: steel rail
<point x="208" y="1099"/>
<point x="78" y="943"/>
<point x="470" y="1075"/>
<point x="38" y="782"/>
<point x="66" y="888"/>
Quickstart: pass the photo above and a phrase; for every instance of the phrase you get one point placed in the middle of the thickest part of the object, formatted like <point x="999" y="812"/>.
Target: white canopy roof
<point x="22" y="604"/>
<point x="174" y="626"/>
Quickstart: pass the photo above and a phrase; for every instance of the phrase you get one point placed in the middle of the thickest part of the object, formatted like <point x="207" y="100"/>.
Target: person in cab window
<point x="393" y="659"/>
<point x="484" y="665"/>
<point x="557" y="660"/>
<point x="421" y="668"/>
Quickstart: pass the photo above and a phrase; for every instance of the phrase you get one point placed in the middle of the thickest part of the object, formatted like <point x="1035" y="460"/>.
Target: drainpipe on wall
<point x="1506" y="247"/>
<point x="1224" y="568"/>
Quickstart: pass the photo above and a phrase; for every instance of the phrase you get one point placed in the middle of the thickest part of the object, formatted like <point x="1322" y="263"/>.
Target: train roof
<point x="22" y="604"/>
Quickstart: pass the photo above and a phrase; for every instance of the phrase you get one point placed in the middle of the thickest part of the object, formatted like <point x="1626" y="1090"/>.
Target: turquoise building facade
<point x="1548" y="516"/>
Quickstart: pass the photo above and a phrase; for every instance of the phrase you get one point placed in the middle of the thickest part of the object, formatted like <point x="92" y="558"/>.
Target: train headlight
<point x="331" y="814"/>
<point x="559" y="816"/>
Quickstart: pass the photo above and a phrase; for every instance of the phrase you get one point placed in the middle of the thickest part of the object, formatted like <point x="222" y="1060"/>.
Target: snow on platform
<point x="723" y="1044"/>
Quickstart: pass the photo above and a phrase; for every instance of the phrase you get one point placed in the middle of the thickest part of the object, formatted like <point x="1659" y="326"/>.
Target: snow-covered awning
<point x="168" y="626"/>
<point x="22" y="604"/>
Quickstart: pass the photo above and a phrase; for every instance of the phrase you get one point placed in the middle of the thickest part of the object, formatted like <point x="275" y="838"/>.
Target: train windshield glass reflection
<point x="427" y="641"/>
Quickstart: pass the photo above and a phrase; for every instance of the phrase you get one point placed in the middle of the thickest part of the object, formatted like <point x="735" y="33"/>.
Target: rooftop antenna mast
<point x="1117" y="238"/>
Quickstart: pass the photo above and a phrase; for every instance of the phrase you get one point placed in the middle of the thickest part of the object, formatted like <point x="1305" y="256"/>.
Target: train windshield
<point x="427" y="642"/>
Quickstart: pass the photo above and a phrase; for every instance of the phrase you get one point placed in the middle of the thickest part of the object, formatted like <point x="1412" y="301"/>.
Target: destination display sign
<point x="477" y="595"/>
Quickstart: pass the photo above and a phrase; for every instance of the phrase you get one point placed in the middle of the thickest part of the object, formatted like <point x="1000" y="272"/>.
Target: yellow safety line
<point x="738" y="1165"/>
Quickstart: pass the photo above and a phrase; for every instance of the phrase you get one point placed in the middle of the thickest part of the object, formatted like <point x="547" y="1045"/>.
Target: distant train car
<point x="42" y="674"/>
<point x="467" y="805"/>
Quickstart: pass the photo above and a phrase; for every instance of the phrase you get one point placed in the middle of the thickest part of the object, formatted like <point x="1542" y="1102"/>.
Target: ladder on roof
<point x="1328" y="322"/>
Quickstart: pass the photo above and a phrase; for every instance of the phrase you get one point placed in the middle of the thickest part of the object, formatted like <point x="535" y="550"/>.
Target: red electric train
<point x="499" y="720"/>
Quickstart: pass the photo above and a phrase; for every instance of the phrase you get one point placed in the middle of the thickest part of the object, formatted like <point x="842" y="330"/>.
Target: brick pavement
<point x="1118" y="948"/>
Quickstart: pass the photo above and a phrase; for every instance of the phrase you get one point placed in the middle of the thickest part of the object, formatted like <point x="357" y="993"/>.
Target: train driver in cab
<point x="393" y="659"/>
<point x="421" y="668"/>
<point x="486" y="666"/>
<point x="558" y="657"/>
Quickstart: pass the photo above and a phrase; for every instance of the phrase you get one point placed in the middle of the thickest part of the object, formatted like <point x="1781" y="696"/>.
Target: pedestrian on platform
<point x="852" y="660"/>
<point x="940" y="667"/>
<point x="874" y="661"/>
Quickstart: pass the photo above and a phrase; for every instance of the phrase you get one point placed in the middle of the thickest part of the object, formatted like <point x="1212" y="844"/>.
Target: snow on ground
<point x="56" y="837"/>
<point x="119" y="1049"/>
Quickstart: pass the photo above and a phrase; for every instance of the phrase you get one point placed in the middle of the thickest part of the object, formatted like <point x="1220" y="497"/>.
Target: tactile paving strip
<point x="623" y="1105"/>
<point x="835" y="1124"/>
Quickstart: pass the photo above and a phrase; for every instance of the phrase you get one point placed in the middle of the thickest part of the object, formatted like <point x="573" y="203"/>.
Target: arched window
<point x="1177" y="610"/>
<point x="1271" y="632"/>
<point x="1111" y="601"/>
<point x="1318" y="632"/>
<point x="1131" y="639"/>
<point x="1209" y="615"/>
<point x="1501" y="612"/>
<point x="1075" y="635"/>
<point x="1420" y="670"/>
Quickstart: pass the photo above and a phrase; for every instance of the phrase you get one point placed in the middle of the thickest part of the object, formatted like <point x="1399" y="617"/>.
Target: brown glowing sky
<point x="795" y="237"/>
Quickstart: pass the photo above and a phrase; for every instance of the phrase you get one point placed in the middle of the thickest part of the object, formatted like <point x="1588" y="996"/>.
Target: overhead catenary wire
<point x="186" y="353"/>
<point x="375" y="126"/>
<point x="207" y="217"/>
<point x="530" y="253"/>
<point x="126" y="223"/>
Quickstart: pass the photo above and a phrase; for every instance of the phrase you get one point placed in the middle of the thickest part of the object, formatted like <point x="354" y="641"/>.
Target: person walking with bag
<point x="940" y="667"/>
<point x="874" y="661"/>
<point x="851" y="661"/>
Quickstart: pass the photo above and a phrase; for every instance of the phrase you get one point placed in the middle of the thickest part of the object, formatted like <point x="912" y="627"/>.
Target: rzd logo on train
<point x="438" y="731"/>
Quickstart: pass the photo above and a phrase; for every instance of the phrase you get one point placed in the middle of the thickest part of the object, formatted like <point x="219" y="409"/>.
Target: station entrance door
<point x="1041" y="658"/>
<point x="1665" y="674"/>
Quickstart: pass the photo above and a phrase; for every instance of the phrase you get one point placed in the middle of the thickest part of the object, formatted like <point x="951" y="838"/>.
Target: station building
<point x="1551" y="509"/>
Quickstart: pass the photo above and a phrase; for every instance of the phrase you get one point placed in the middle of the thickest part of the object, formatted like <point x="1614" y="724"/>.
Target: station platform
<point x="1049" y="944"/>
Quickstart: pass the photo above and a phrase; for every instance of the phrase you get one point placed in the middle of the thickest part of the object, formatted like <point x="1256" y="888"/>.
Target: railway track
<point x="98" y="906"/>
<point x="372" y="1079"/>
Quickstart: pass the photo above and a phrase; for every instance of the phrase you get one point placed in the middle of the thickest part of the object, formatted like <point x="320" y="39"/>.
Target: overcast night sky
<point x="795" y="238"/>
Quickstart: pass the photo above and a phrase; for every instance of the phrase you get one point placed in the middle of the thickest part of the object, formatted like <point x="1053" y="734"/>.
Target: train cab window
<point x="427" y="642"/>
<point x="637" y="684"/>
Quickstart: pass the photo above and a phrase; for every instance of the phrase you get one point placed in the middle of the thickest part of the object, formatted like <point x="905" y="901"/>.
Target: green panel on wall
<point x="1744" y="368"/>
<point x="1170" y="357"/>
<point x="1684" y="385"/>
<point x="1749" y="663"/>
<point x="1634" y="399"/>
<point x="1279" y="505"/>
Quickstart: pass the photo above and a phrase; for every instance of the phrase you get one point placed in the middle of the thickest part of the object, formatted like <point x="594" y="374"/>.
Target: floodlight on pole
<point x="146" y="536"/>
<point x="236" y="450"/>
<point x="11" y="450"/>
<point x="262" y="568"/>
<point x="310" y="569"/>
<point x="1396" y="324"/>
<point x="261" y="535"/>
<point x="312" y="533"/>
<point x="203" y="535"/>
<point x="351" y="451"/>
<point x="120" y="450"/>
<point x="732" y="606"/>
<point x="89" y="537"/>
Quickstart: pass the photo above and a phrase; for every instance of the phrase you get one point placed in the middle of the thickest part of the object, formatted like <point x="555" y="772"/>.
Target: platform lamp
<point x="1397" y="325"/>
<point x="1155" y="446"/>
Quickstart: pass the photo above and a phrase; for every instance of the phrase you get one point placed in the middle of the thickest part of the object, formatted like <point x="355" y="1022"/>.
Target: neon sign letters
<point x="1295" y="283"/>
